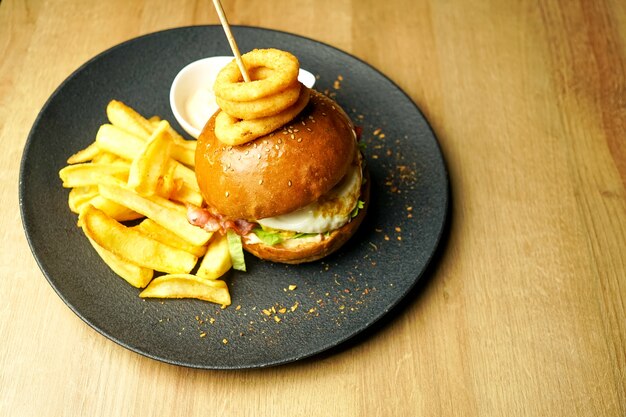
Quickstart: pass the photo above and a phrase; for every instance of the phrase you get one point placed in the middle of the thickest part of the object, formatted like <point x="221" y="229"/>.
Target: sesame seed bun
<point x="280" y="172"/>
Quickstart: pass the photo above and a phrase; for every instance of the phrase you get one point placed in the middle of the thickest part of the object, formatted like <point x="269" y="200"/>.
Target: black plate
<point x="334" y="299"/>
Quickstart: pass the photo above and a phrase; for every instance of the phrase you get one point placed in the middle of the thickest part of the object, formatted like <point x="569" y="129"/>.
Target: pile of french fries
<point x="129" y="189"/>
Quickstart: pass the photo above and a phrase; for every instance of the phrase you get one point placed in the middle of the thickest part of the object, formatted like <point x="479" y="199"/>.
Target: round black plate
<point x="333" y="300"/>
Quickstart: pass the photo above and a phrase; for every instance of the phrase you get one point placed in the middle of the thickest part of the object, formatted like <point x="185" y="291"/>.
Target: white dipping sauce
<point x="200" y="106"/>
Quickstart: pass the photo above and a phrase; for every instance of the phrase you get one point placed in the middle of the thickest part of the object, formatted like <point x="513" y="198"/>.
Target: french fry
<point x="157" y="232"/>
<point x="135" y="275"/>
<point x="84" y="155"/>
<point x="108" y="158"/>
<point x="186" y="194"/>
<point x="188" y="176"/>
<point x="187" y="286"/>
<point x="167" y="184"/>
<point x="79" y="196"/>
<point x="216" y="261"/>
<point x="184" y="153"/>
<point x="189" y="145"/>
<point x="119" y="142"/>
<point x="132" y="245"/>
<point x="114" y="210"/>
<point x="166" y="213"/>
<point x="128" y="119"/>
<point x="85" y="174"/>
<point x="151" y="165"/>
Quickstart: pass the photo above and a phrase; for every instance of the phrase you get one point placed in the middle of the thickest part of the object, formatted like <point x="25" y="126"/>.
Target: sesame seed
<point x="293" y="136"/>
<point x="261" y="181"/>
<point x="247" y="152"/>
<point x="299" y="140"/>
<point x="280" y="141"/>
<point x="258" y="156"/>
<point x="276" y="146"/>
<point x="227" y="193"/>
<point x="289" y="183"/>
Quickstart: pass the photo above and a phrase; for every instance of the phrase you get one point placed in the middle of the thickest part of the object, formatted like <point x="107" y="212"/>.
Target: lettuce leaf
<point x="355" y="211"/>
<point x="268" y="237"/>
<point x="236" y="250"/>
<point x="273" y="237"/>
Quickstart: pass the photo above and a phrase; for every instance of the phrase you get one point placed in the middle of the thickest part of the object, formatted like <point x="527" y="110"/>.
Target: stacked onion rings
<point x="272" y="98"/>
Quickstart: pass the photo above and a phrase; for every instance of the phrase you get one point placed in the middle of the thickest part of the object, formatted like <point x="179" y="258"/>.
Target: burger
<point x="294" y="195"/>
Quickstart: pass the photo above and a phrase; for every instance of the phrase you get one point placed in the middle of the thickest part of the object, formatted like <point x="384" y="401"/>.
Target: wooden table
<point x="524" y="314"/>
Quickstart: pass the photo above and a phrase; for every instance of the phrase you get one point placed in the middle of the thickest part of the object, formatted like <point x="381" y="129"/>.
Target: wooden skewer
<point x="231" y="40"/>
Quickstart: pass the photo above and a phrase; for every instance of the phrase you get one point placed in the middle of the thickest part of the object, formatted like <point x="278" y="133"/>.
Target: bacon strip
<point x="203" y="218"/>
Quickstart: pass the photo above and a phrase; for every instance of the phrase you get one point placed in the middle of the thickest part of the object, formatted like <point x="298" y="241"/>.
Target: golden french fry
<point x="114" y="210"/>
<point x="187" y="286"/>
<point x="186" y="194"/>
<point x="117" y="141"/>
<point x="135" y="275"/>
<point x="189" y="144"/>
<point x="108" y="158"/>
<point x="128" y="119"/>
<point x="188" y="176"/>
<point x="167" y="185"/>
<point x="170" y="215"/>
<point x="84" y="155"/>
<point x="216" y="261"/>
<point x="157" y="232"/>
<point x="151" y="165"/>
<point x="80" y="196"/>
<point x="132" y="245"/>
<point x="85" y="174"/>
<point x="184" y="154"/>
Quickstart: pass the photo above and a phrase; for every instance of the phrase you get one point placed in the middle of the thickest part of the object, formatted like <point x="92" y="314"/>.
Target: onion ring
<point x="233" y="131"/>
<point x="262" y="107"/>
<point x="229" y="84"/>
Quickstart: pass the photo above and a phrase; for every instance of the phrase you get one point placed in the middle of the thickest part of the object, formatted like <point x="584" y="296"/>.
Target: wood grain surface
<point x="524" y="313"/>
